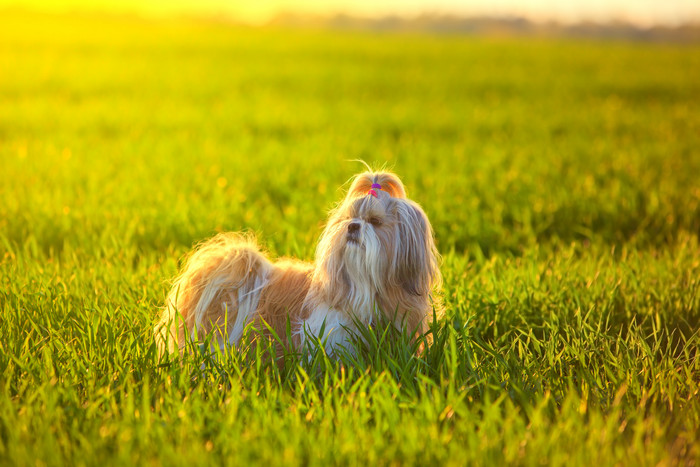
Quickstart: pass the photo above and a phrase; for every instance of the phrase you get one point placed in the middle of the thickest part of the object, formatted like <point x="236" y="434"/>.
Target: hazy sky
<point x="640" y="11"/>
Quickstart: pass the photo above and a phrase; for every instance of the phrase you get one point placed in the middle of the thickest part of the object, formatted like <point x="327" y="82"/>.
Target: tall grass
<point x="560" y="178"/>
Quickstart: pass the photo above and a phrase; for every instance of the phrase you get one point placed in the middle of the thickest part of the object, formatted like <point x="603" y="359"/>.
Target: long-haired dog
<point x="376" y="256"/>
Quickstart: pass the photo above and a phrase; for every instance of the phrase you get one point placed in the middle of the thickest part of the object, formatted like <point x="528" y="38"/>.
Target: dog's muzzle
<point x="354" y="232"/>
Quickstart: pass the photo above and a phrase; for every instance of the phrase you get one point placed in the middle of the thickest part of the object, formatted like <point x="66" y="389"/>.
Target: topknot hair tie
<point x="371" y="190"/>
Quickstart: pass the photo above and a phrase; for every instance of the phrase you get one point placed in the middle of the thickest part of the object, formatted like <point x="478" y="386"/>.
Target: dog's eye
<point x="375" y="221"/>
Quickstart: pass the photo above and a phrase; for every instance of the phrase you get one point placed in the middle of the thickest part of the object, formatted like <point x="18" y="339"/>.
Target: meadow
<point x="561" y="178"/>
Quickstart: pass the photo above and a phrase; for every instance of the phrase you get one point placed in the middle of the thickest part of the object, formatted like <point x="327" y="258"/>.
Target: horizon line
<point x="299" y="14"/>
<point x="274" y="15"/>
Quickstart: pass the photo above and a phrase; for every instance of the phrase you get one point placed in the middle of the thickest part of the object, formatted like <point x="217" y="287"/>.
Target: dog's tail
<point x="217" y="291"/>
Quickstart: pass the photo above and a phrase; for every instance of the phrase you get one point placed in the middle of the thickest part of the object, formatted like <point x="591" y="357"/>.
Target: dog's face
<point x="377" y="243"/>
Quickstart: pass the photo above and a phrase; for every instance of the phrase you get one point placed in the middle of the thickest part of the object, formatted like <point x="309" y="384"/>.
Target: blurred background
<point x="516" y="124"/>
<point x="640" y="12"/>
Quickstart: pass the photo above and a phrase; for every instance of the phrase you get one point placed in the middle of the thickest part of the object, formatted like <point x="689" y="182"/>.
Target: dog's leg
<point x="217" y="291"/>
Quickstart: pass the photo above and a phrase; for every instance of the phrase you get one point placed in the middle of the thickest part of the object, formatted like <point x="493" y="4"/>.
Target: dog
<point x="376" y="258"/>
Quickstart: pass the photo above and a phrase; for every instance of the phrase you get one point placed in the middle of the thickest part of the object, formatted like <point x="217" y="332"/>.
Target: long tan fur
<point x="375" y="255"/>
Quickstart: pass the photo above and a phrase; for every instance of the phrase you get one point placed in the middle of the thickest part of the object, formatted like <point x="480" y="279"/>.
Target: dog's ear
<point x="415" y="260"/>
<point x="389" y="182"/>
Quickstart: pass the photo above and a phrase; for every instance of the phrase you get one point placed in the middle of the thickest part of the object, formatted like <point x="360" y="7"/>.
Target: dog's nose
<point x="353" y="227"/>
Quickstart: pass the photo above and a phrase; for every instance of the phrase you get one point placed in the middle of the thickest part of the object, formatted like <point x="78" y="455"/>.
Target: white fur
<point x="247" y="304"/>
<point x="335" y="324"/>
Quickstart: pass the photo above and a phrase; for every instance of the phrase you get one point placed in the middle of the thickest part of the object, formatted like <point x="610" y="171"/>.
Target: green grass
<point x="561" y="178"/>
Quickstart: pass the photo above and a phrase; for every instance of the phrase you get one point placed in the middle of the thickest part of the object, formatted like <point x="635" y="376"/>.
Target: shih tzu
<point x="376" y="256"/>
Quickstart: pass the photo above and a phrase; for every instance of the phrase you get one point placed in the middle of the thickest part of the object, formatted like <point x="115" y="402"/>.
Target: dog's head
<point x="377" y="248"/>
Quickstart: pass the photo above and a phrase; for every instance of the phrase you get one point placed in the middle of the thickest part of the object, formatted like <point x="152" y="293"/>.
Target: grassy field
<point x="562" y="179"/>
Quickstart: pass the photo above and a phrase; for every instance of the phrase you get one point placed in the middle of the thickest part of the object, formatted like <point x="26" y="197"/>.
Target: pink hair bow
<point x="371" y="190"/>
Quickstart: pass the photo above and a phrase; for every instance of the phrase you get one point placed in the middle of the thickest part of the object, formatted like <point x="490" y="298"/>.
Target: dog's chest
<point x="333" y="328"/>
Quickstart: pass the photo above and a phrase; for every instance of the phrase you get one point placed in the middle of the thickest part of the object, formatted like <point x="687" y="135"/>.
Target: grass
<point x="560" y="177"/>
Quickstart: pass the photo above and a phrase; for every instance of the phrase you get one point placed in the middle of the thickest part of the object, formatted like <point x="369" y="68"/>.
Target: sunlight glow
<point x="644" y="12"/>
